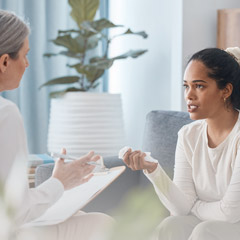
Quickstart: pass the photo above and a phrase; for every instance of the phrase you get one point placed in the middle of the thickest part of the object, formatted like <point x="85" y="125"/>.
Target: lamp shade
<point x="84" y="121"/>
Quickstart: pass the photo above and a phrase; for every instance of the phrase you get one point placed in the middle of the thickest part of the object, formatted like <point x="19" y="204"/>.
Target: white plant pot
<point x="83" y="121"/>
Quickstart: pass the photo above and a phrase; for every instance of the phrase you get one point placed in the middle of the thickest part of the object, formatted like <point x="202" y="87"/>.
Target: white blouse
<point x="206" y="180"/>
<point x="13" y="148"/>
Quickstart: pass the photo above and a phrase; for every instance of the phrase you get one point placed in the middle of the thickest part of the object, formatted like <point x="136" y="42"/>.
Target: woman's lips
<point x="192" y="108"/>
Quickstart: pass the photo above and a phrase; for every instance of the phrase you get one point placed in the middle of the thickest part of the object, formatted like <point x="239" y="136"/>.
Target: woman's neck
<point x="220" y="126"/>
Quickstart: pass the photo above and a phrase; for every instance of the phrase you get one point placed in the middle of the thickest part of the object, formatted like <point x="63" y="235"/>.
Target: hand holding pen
<point x="98" y="171"/>
<point x="69" y="158"/>
<point x="76" y="172"/>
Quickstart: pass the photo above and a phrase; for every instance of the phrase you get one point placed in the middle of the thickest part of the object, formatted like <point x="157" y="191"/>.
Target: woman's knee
<point x="170" y="223"/>
<point x="205" y="230"/>
<point x="176" y="227"/>
<point x="103" y="218"/>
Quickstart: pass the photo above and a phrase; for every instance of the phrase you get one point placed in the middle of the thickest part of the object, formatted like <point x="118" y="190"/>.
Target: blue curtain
<point x="104" y="13"/>
<point x="46" y="17"/>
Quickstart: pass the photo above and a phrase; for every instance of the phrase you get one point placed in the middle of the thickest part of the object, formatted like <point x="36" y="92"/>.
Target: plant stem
<point x="107" y="47"/>
<point x="81" y="80"/>
<point x="84" y="53"/>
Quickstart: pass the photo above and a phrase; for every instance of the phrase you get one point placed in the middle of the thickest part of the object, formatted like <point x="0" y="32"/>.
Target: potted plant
<point x="78" y="42"/>
<point x="76" y="101"/>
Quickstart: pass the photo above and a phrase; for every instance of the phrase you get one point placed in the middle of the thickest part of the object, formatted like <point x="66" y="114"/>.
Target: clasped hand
<point x="76" y="172"/>
<point x="135" y="161"/>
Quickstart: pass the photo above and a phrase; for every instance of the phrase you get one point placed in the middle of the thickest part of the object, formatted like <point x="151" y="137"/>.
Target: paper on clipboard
<point x="76" y="198"/>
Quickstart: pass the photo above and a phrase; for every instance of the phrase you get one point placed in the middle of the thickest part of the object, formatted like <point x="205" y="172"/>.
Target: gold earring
<point x="226" y="104"/>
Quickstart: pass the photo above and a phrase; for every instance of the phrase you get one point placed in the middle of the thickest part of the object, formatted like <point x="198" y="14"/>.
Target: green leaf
<point x="76" y="46"/>
<point x="91" y="71"/>
<point x="102" y="63"/>
<point x="64" y="53"/>
<point x="94" y="74"/>
<point x="50" y="54"/>
<point x="129" y="31"/>
<point x="73" y="89"/>
<point x="79" y="68"/>
<point x="83" y="10"/>
<point x="72" y="44"/>
<point x="96" y="59"/>
<point x="71" y="54"/>
<point x="58" y="94"/>
<point x="103" y="23"/>
<point x="60" y="32"/>
<point x="61" y="80"/>
<point x="142" y="33"/>
<point x="86" y="25"/>
<point x="98" y="25"/>
<point x="131" y="53"/>
<point x="81" y="43"/>
<point x="95" y="85"/>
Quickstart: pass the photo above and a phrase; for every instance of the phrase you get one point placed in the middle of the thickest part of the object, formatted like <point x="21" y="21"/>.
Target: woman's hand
<point x="76" y="172"/>
<point x="135" y="161"/>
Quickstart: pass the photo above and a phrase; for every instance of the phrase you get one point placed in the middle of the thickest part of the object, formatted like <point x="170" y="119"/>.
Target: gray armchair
<point x="160" y="138"/>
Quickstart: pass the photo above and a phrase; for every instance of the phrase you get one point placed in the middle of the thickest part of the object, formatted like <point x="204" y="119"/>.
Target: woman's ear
<point x="227" y="91"/>
<point x="4" y="62"/>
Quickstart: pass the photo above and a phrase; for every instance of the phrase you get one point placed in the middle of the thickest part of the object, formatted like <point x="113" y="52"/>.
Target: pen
<point x="65" y="156"/>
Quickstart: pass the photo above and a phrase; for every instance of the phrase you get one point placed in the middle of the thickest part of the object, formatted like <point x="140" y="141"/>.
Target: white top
<point x="206" y="180"/>
<point x="13" y="148"/>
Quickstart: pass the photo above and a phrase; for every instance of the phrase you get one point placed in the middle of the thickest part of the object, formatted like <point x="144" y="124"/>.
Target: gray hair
<point x="13" y="32"/>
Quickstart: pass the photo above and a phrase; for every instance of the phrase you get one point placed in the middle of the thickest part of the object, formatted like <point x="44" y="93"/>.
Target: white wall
<point x="177" y="29"/>
<point x="143" y="82"/>
<point x="200" y="25"/>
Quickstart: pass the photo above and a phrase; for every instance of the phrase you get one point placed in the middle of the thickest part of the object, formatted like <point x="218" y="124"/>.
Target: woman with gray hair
<point x="14" y="46"/>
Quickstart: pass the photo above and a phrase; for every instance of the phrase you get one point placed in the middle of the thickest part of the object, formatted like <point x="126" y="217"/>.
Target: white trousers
<point x="82" y="226"/>
<point x="191" y="228"/>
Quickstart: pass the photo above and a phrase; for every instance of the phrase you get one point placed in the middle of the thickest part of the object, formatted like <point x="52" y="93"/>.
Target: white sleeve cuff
<point x="153" y="176"/>
<point x="53" y="188"/>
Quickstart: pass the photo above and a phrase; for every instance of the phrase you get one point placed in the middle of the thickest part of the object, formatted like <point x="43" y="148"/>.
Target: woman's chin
<point x="195" y="116"/>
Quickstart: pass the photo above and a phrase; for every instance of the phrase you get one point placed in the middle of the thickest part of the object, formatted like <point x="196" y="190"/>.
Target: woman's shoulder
<point x="193" y="128"/>
<point x="8" y="108"/>
<point x="5" y="103"/>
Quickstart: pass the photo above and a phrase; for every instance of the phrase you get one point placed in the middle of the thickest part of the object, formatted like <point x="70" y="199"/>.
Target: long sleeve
<point x="209" y="178"/>
<point x="37" y="200"/>
<point x="226" y="209"/>
<point x="13" y="150"/>
<point x="178" y="196"/>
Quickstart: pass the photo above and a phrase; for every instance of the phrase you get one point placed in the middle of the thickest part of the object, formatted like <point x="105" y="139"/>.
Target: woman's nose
<point x="189" y="94"/>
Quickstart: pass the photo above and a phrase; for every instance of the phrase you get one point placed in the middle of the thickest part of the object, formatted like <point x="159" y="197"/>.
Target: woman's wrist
<point x="152" y="168"/>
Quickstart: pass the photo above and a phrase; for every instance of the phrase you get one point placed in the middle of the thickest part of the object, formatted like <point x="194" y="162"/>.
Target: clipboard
<point x="76" y="198"/>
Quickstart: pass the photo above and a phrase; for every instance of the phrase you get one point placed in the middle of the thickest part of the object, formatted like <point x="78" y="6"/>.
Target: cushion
<point x="160" y="136"/>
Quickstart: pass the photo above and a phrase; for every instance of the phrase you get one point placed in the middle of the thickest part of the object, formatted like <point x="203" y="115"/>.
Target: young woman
<point x="204" y="196"/>
<point x="14" y="47"/>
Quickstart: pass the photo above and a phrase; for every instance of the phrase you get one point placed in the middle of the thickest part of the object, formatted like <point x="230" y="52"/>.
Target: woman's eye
<point x="185" y="86"/>
<point x="199" y="86"/>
